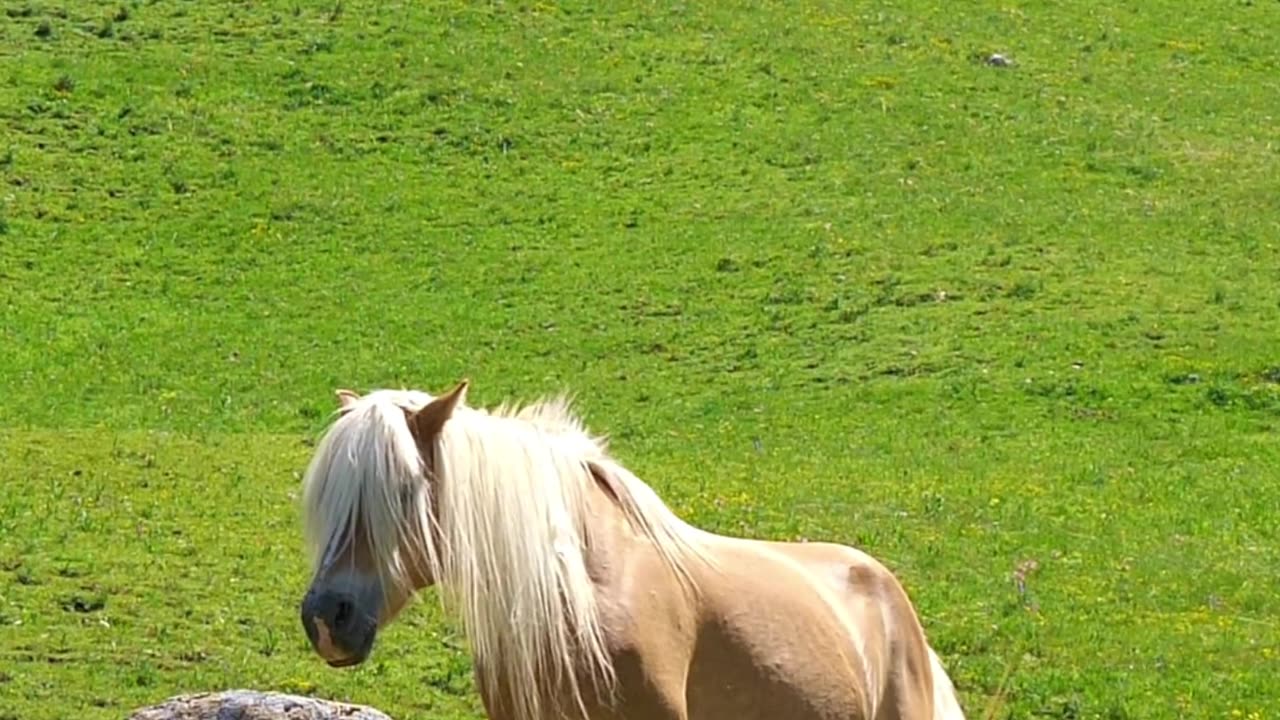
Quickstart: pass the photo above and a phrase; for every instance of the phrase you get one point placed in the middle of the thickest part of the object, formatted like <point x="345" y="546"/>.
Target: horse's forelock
<point x="365" y="474"/>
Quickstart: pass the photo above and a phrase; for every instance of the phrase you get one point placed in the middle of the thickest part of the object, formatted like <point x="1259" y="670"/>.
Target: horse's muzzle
<point x="339" y="628"/>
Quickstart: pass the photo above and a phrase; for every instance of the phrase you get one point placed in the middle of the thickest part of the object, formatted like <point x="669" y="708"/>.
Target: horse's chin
<point x="346" y="662"/>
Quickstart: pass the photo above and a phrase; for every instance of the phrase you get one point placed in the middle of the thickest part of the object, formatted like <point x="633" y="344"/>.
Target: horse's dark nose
<point x="335" y="610"/>
<point x="339" y="624"/>
<point x="342" y="614"/>
<point x="337" y="628"/>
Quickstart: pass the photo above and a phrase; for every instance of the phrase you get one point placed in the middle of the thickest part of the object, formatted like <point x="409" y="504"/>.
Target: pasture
<point x="816" y="268"/>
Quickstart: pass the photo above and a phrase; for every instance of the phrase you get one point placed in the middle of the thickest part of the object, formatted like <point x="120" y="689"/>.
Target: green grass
<point x="816" y="268"/>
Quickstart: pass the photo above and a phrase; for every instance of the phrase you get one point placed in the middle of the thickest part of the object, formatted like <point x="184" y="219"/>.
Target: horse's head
<point x="370" y="520"/>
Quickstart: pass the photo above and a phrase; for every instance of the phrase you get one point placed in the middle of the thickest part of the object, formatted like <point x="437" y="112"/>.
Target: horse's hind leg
<point x="925" y="696"/>
<point x="905" y="700"/>
<point x="909" y="692"/>
<point x="945" y="704"/>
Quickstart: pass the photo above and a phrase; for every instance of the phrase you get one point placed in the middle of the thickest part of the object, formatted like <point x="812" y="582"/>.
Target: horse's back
<point x="808" y="631"/>
<point x="919" y="686"/>
<point x="778" y="639"/>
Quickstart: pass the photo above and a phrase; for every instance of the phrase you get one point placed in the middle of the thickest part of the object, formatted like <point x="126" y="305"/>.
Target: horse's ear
<point x="346" y="398"/>
<point x="427" y="422"/>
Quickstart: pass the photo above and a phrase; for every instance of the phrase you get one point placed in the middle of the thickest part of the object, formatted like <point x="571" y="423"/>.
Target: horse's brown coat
<point x="770" y="631"/>
<point x="807" y="631"/>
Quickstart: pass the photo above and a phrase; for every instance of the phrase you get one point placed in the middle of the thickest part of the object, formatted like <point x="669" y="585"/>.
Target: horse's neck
<point x="608" y="543"/>
<point x="634" y="585"/>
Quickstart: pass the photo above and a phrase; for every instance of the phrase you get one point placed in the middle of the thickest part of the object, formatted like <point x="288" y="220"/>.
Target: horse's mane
<point x="511" y="512"/>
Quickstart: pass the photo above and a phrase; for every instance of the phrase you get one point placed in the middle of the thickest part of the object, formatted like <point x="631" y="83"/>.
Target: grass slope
<point x="817" y="269"/>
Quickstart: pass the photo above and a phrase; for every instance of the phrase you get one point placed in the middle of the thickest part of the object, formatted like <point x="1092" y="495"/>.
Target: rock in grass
<point x="254" y="705"/>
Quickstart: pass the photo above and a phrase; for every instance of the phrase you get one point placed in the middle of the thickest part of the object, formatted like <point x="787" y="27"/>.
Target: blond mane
<point x="510" y="510"/>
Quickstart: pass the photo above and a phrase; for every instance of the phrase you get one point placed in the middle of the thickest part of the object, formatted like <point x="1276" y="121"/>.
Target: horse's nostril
<point x="342" y="614"/>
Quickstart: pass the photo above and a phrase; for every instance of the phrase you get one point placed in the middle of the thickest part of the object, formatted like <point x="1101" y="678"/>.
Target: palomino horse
<point x="581" y="594"/>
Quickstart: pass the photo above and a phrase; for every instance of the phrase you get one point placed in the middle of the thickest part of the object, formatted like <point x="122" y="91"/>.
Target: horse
<point x="580" y="592"/>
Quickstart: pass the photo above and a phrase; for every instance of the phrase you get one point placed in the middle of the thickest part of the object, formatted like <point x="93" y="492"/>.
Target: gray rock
<point x="254" y="705"/>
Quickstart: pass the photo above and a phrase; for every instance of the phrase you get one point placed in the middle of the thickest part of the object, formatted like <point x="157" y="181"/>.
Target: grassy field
<point x="817" y="268"/>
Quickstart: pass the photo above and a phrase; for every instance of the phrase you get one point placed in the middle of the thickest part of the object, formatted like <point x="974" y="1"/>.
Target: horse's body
<point x="583" y="596"/>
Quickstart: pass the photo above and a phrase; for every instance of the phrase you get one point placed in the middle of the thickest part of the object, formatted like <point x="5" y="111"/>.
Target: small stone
<point x="254" y="705"/>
